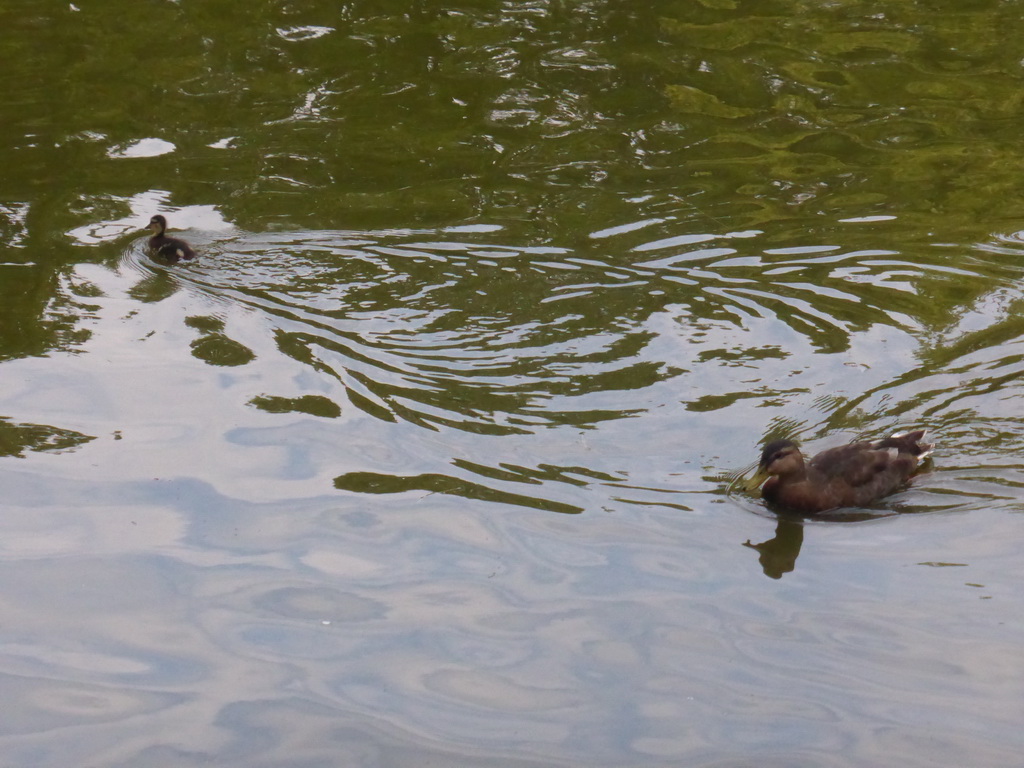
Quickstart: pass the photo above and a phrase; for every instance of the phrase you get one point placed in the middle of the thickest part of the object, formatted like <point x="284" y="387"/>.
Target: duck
<point x="853" y="475"/>
<point x="169" y="247"/>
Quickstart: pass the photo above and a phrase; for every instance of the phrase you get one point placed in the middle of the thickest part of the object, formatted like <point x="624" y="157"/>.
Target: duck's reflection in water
<point x="778" y="554"/>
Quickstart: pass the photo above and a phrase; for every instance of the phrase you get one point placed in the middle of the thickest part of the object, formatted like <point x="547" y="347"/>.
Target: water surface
<point x="432" y="455"/>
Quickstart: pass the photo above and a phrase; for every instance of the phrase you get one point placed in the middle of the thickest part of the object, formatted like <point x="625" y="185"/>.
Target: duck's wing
<point x="862" y="464"/>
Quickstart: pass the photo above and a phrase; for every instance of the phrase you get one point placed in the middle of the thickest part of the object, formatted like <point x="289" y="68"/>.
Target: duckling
<point x="169" y="247"/>
<point x="848" y="476"/>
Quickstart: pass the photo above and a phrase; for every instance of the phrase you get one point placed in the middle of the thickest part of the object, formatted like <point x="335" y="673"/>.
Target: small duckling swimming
<point x="169" y="247"/>
<point x="848" y="476"/>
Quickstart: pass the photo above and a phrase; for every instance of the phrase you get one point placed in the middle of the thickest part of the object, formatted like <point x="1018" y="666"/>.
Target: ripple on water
<point x="416" y="328"/>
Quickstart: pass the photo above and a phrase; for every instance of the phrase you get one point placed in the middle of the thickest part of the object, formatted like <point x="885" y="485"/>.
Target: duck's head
<point x="158" y="224"/>
<point x="779" y="457"/>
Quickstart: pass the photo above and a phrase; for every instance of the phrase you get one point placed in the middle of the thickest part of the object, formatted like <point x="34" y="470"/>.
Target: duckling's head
<point x="779" y="457"/>
<point x="158" y="224"/>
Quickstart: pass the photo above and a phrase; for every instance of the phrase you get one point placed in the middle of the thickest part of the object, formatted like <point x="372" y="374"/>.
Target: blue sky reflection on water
<point x="417" y="624"/>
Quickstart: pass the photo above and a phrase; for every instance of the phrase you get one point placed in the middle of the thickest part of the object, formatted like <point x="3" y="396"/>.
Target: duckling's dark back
<point x="171" y="247"/>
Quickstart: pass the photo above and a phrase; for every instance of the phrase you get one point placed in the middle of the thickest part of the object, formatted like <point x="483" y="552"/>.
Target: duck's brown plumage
<point x="848" y="476"/>
<point x="171" y="248"/>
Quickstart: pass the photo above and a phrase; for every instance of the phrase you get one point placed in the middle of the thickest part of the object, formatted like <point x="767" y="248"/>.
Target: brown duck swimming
<point x="848" y="476"/>
<point x="169" y="247"/>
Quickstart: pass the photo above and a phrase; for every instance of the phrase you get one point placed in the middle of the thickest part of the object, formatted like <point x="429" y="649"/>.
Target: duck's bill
<point x="755" y="482"/>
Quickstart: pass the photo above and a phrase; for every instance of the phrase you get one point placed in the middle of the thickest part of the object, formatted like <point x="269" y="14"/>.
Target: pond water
<point x="433" y="455"/>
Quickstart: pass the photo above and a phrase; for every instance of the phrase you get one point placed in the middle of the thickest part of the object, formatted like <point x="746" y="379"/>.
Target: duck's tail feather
<point x="909" y="442"/>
